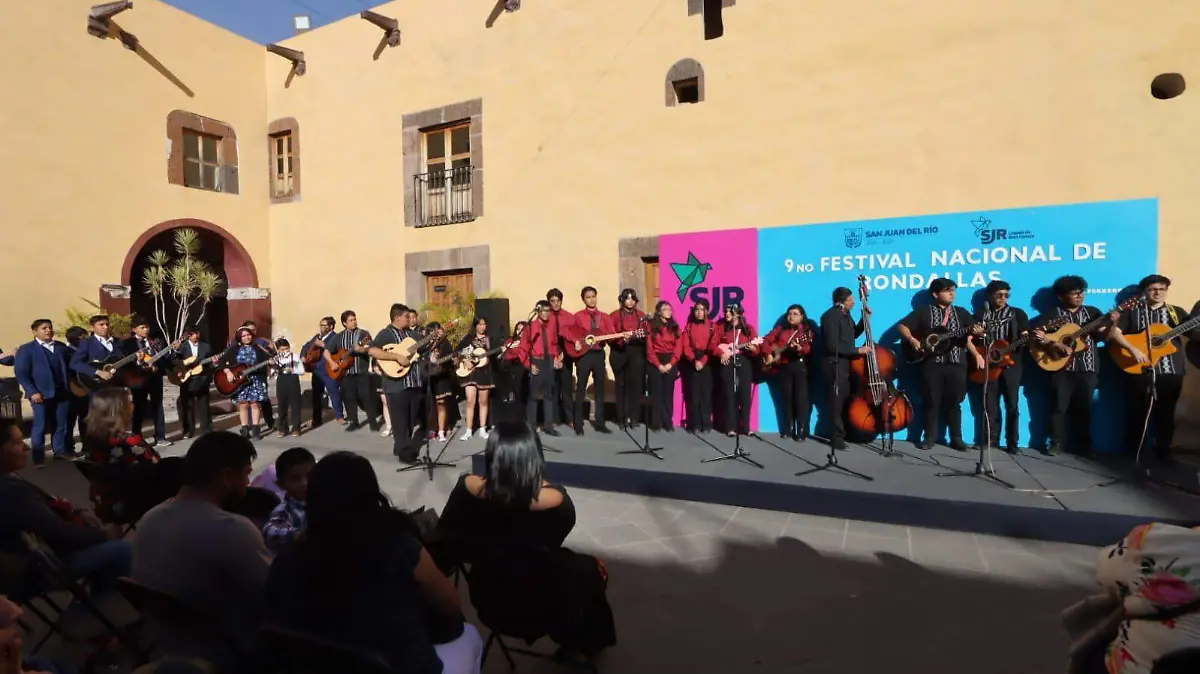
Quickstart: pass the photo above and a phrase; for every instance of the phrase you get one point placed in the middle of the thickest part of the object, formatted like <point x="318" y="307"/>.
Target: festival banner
<point x="1111" y="244"/>
<point x="721" y="267"/>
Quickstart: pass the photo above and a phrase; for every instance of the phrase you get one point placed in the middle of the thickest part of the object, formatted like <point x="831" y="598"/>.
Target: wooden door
<point x="650" y="266"/>
<point x="441" y="286"/>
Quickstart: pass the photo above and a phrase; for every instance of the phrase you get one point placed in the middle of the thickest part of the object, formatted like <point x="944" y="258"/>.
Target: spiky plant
<point x="187" y="281"/>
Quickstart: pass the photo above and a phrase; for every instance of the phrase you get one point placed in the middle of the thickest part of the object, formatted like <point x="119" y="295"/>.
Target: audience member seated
<point x="1150" y="578"/>
<point x="76" y="536"/>
<point x="12" y="658"/>
<point x="194" y="548"/>
<point x="511" y="507"/>
<point x="359" y="576"/>
<point x="287" y="520"/>
<point x="131" y="470"/>
<point x="266" y="481"/>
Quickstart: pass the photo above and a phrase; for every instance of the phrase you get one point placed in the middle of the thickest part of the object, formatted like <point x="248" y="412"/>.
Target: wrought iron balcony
<point x="443" y="197"/>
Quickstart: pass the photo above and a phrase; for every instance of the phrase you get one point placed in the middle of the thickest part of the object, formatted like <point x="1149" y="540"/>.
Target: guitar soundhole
<point x="995" y="356"/>
<point x="1068" y="342"/>
<point x="932" y="341"/>
<point x="1156" y="343"/>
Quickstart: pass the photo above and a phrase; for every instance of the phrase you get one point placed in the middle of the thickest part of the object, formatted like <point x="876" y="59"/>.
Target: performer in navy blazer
<point x="99" y="346"/>
<point x="321" y="382"/>
<point x="148" y="397"/>
<point x="41" y="368"/>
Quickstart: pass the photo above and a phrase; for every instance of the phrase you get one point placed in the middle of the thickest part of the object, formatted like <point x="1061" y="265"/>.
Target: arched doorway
<point x="240" y="298"/>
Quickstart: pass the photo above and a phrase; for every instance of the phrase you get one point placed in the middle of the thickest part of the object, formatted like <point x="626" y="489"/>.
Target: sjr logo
<point x="985" y="232"/>
<point x="692" y="273"/>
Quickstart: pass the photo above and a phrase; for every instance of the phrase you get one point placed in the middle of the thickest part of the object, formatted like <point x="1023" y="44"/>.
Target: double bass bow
<point x="878" y="408"/>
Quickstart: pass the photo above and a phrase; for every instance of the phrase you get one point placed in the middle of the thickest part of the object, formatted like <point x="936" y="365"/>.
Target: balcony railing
<point x="443" y="197"/>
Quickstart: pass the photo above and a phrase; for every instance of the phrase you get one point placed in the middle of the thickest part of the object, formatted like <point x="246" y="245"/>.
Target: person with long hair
<point x="250" y="396"/>
<point x="477" y="386"/>
<point x="698" y="338"/>
<point x="441" y="377"/>
<point x="518" y="374"/>
<point x="789" y="345"/>
<point x="358" y="574"/>
<point x="512" y="505"/>
<point x="664" y="348"/>
<point x="628" y="359"/>
<point x="735" y="342"/>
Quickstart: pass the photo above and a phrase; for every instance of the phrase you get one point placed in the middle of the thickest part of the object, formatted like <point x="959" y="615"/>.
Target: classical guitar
<point x="1068" y="339"/>
<point x="777" y="355"/>
<point x="728" y="350"/>
<point x="113" y="365"/>
<point x="589" y="341"/>
<point x="936" y="342"/>
<point x="343" y="360"/>
<point x="190" y="367"/>
<point x="1000" y="357"/>
<point x="477" y="358"/>
<point x="407" y="347"/>
<point x="1161" y="345"/>
<point x="312" y="357"/>
<point x="229" y="380"/>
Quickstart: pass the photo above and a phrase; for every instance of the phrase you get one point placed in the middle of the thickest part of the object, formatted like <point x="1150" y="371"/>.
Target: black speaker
<point x="494" y="310"/>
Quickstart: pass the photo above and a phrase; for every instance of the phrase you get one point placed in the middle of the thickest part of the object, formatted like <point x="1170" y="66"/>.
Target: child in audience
<point x="288" y="519"/>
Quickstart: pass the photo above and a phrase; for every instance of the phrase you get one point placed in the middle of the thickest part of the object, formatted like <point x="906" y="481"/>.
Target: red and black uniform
<point x="591" y="363"/>
<point x="628" y="361"/>
<point x="737" y="377"/>
<point x="539" y="346"/>
<point x="664" y="346"/>
<point x="516" y="371"/>
<point x="564" y="379"/>
<point x="697" y="339"/>
<point x="794" y="344"/>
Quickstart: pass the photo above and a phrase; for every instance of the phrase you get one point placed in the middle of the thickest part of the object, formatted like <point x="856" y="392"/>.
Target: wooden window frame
<point x="684" y="72"/>
<point x="289" y="127"/>
<point x="414" y="126"/>
<point x="201" y="161"/>
<point x="282" y="184"/>
<point x="449" y="158"/>
<point x="179" y="121"/>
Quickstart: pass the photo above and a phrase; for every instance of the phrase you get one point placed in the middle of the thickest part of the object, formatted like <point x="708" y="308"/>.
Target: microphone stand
<point x="738" y="452"/>
<point x="985" y="449"/>
<point x="644" y="447"/>
<point x="425" y="460"/>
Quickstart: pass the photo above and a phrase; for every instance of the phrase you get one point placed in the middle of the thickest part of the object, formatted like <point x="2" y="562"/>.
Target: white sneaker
<point x="387" y="430"/>
<point x="483" y="433"/>
<point x="466" y="435"/>
<point x="441" y="436"/>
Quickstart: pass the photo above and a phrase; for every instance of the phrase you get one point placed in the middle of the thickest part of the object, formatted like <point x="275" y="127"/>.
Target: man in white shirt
<point x="97" y="348"/>
<point x="41" y="369"/>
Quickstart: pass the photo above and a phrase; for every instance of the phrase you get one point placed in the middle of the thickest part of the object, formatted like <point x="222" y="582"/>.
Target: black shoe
<point x="839" y="445"/>
<point x="245" y="432"/>
<point x="601" y="427"/>
<point x="408" y="458"/>
<point x="958" y="446"/>
<point x="927" y="446"/>
<point x="1012" y="449"/>
<point x="1053" y="449"/>
<point x="549" y="430"/>
<point x="353" y="426"/>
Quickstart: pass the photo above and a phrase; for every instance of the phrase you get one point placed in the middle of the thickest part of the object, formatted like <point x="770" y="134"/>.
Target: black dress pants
<point x="737" y="382"/>
<point x="590" y="364"/>
<point x="357" y="393"/>
<point x="836" y="372"/>
<point x="1072" y="399"/>
<point x="148" y="404"/>
<point x="193" y="404"/>
<point x="401" y="405"/>
<point x="564" y="390"/>
<point x="943" y="388"/>
<point x="541" y="383"/>
<point x="287" y="388"/>
<point x="793" y="384"/>
<point x="1008" y="388"/>
<point x="1167" y="391"/>
<point x="662" y="394"/>
<point x="698" y="396"/>
<point x="629" y="378"/>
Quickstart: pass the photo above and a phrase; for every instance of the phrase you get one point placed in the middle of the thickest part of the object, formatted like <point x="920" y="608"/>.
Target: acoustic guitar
<point x="188" y="368"/>
<point x="312" y="357"/>
<point x="777" y="355"/>
<point x="477" y="358"/>
<point x="113" y="365"/>
<point x="1068" y="339"/>
<point x="728" y="350"/>
<point x="343" y="360"/>
<point x="589" y="341"/>
<point x="230" y="380"/>
<point x="1001" y="356"/>
<point x="1161" y="345"/>
<point x="408" y="347"/>
<point x="937" y="342"/>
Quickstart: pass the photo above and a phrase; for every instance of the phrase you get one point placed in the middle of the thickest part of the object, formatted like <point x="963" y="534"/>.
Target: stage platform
<point x="1061" y="498"/>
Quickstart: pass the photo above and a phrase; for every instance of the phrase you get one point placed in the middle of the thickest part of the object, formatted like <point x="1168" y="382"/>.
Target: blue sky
<point x="267" y="21"/>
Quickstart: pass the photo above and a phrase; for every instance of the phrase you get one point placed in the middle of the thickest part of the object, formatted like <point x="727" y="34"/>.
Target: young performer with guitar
<point x="478" y="381"/>
<point x="664" y="348"/>
<point x="1005" y="329"/>
<point x="589" y="358"/>
<point x="1128" y="344"/>
<point x="564" y="365"/>
<point x="355" y="382"/>
<point x="839" y="332"/>
<point x="251" y="384"/>
<point x="735" y="341"/>
<point x="540" y="354"/>
<point x="399" y="390"/>
<point x="937" y="337"/>
<point x="1073" y="384"/>
<point x="94" y="359"/>
<point x="440" y="375"/>
<point x="194" y="401"/>
<point x="148" y="394"/>
<point x="628" y="359"/>
<point x="322" y="384"/>
<point x="698" y="336"/>
<point x="786" y="351"/>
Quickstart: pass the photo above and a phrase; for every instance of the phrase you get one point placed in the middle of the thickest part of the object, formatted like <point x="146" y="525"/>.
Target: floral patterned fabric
<point x="1156" y="567"/>
<point x="117" y="454"/>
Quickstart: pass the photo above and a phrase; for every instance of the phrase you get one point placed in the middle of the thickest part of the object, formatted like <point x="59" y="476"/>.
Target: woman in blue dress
<point x="249" y="396"/>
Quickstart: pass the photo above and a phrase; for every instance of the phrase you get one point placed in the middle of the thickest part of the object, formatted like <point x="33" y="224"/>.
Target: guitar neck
<point x="1186" y="326"/>
<point x="255" y="368"/>
<point x="125" y="361"/>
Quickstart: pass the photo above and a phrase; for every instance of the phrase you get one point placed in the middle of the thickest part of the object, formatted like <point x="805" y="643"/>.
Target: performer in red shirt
<point x="697" y="340"/>
<point x="539" y="354"/>
<point x="787" y="348"/>
<point x="736" y="342"/>
<point x="664" y="348"/>
<point x="590" y="321"/>
<point x="628" y="359"/>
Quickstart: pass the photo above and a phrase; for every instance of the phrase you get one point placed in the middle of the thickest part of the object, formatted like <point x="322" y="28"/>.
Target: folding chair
<point x="299" y="653"/>
<point x="57" y="577"/>
<point x="14" y="583"/>
<point x="167" y="610"/>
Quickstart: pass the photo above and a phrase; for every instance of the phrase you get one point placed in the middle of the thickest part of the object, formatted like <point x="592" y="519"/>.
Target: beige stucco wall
<point x="83" y="130"/>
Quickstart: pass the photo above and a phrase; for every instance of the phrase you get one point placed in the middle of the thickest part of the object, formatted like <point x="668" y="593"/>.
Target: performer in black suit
<point x="1002" y="321"/>
<point x="194" y="401"/>
<point x="148" y="398"/>
<point x="78" y="409"/>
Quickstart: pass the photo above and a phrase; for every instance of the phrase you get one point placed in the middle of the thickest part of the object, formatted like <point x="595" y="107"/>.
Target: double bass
<point x="878" y="408"/>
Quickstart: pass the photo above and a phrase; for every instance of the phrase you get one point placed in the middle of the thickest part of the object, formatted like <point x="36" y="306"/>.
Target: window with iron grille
<point x="443" y="193"/>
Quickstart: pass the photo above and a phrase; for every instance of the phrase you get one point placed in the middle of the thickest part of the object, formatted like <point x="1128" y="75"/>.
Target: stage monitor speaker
<point x="494" y="310"/>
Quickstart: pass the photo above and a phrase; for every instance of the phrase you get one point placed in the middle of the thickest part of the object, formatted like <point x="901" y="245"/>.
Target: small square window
<point x="687" y="91"/>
